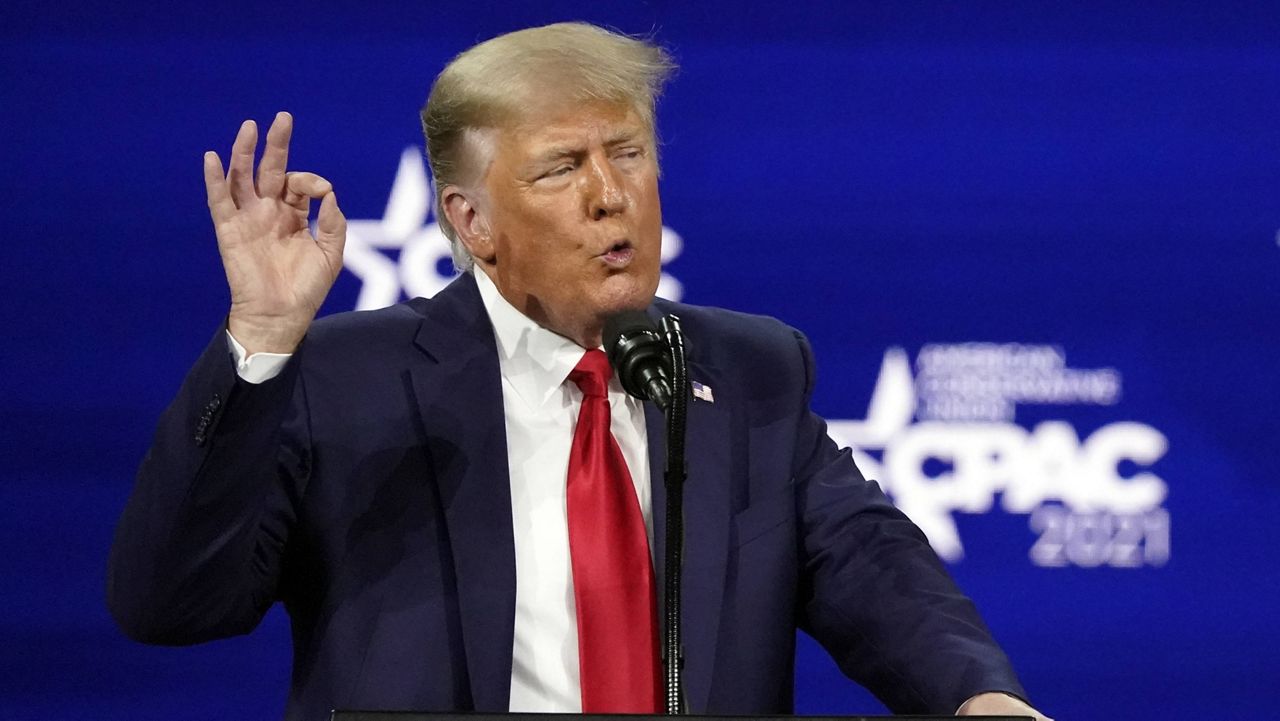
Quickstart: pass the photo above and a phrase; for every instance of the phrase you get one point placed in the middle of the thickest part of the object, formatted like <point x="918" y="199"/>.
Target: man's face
<point x="571" y="207"/>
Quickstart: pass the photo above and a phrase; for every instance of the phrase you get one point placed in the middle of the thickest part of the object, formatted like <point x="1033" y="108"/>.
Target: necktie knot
<point x="592" y="374"/>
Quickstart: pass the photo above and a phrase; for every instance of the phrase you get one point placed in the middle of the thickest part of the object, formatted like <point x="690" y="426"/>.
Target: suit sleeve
<point x="874" y="593"/>
<point x="198" y="550"/>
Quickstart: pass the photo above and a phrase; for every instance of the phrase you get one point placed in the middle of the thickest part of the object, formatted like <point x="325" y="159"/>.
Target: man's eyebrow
<point x="556" y="152"/>
<point x="623" y="135"/>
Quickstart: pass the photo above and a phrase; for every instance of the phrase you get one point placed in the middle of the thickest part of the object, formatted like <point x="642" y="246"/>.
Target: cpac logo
<point x="424" y="265"/>
<point x="965" y="449"/>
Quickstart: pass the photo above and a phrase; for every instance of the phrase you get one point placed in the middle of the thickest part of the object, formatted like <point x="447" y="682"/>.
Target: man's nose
<point x="607" y="193"/>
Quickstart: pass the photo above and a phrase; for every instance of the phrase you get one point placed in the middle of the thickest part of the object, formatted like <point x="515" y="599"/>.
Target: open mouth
<point x="619" y="254"/>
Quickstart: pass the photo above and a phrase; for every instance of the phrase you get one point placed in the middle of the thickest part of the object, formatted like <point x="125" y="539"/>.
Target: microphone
<point x="639" y="356"/>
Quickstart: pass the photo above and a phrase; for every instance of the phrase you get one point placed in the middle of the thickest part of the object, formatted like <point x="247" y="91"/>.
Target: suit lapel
<point x="458" y="391"/>
<point x="706" y="528"/>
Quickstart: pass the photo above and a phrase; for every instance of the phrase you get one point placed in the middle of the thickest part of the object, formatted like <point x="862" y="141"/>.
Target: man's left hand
<point x="998" y="704"/>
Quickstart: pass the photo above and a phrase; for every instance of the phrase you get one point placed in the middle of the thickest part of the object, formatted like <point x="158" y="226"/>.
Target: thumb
<point x="331" y="226"/>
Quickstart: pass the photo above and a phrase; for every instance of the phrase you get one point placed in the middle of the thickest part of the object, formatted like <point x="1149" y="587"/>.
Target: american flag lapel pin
<point x="702" y="392"/>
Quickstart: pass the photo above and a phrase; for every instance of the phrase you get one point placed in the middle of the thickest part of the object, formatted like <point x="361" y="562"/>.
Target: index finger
<point x="275" y="156"/>
<point x="221" y="206"/>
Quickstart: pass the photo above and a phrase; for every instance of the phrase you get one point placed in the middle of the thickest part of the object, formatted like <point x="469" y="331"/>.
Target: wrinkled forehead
<point x="546" y="128"/>
<point x="596" y="122"/>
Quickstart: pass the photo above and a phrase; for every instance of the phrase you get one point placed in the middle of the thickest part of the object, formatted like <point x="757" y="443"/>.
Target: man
<point x="456" y="503"/>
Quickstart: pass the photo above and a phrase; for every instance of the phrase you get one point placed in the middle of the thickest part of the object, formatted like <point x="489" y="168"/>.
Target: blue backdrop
<point x="1034" y="245"/>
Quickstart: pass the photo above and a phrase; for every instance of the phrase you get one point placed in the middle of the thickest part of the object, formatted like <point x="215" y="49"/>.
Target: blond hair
<point x="488" y="85"/>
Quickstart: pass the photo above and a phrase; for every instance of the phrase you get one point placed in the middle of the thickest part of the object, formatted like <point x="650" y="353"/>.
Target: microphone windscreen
<point x="621" y="325"/>
<point x="638" y="355"/>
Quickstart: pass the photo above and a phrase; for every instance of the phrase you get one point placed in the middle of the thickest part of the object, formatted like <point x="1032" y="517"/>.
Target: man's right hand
<point x="278" y="272"/>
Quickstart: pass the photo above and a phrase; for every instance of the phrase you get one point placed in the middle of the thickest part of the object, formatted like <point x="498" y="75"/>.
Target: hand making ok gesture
<point x="278" y="272"/>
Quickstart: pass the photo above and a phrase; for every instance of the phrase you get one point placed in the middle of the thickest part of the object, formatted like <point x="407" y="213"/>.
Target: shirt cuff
<point x="259" y="367"/>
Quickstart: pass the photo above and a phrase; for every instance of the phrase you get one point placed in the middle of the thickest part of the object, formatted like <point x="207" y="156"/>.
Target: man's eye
<point x="558" y="171"/>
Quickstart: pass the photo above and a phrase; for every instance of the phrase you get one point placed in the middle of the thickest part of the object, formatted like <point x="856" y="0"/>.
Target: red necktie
<point x="613" y="582"/>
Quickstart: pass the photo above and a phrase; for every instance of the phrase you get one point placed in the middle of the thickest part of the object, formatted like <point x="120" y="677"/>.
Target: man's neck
<point x="586" y="338"/>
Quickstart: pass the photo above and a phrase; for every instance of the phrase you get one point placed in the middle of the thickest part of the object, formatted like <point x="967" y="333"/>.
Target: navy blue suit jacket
<point x="367" y="489"/>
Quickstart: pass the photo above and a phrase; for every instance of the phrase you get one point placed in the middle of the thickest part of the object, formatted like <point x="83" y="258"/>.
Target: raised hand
<point x="278" y="272"/>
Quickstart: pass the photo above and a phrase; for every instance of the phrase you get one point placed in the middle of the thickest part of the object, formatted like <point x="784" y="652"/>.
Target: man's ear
<point x="468" y="221"/>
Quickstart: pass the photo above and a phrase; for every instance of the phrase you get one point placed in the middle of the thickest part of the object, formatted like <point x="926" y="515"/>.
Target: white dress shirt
<point x="540" y="406"/>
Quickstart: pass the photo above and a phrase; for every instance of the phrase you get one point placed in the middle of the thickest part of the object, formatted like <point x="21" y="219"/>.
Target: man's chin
<point x="631" y="294"/>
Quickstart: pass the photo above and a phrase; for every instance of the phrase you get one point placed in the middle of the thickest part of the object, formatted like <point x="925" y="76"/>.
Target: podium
<point x="414" y="716"/>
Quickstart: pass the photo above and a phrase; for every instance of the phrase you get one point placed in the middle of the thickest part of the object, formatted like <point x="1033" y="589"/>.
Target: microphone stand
<point x="672" y="651"/>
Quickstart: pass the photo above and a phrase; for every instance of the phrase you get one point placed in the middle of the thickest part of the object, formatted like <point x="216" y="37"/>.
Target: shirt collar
<point x="533" y="359"/>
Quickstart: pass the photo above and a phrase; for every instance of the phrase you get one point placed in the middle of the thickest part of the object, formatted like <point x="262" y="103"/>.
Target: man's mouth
<point x="619" y="254"/>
